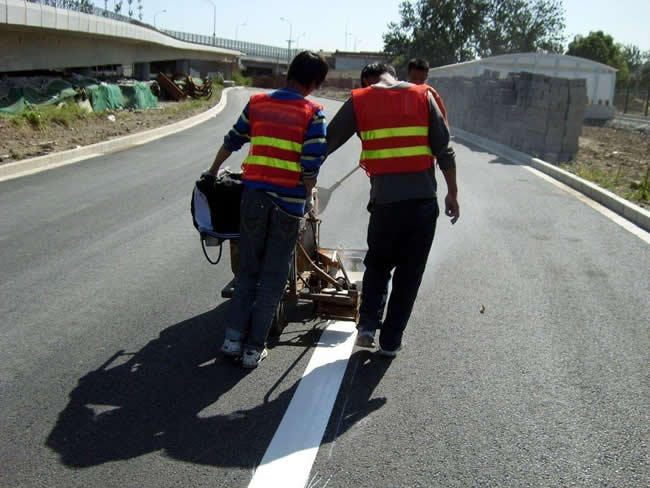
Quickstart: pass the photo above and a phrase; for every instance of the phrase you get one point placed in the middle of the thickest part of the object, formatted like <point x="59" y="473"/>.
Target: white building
<point x="601" y="79"/>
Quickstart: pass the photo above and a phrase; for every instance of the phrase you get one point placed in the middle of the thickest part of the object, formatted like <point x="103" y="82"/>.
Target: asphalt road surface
<point x="110" y="320"/>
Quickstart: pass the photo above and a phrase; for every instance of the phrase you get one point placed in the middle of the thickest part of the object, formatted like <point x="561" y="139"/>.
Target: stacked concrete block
<point x="533" y="113"/>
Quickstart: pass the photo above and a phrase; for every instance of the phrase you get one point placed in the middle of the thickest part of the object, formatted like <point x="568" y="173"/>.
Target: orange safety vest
<point x="393" y="124"/>
<point x="438" y="100"/>
<point x="277" y="134"/>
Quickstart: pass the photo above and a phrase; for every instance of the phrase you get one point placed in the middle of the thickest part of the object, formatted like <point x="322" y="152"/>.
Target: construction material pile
<point x="27" y="93"/>
<point x="181" y="86"/>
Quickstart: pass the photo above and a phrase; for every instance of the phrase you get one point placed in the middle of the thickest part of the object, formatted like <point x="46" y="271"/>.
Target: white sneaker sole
<point x="253" y="365"/>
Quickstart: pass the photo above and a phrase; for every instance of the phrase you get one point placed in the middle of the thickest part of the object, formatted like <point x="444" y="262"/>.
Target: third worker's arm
<point x="439" y="142"/>
<point x="314" y="151"/>
<point x="342" y="127"/>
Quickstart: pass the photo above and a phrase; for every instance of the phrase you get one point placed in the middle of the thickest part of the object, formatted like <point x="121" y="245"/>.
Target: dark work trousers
<point x="266" y="245"/>
<point x="400" y="235"/>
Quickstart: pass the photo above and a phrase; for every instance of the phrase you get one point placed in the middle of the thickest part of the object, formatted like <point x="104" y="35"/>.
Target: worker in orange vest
<point x="402" y="133"/>
<point x="418" y="72"/>
<point x="287" y="147"/>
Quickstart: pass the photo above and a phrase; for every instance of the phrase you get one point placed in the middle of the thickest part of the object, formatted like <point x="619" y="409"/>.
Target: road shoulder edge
<point x="26" y="167"/>
<point x="635" y="214"/>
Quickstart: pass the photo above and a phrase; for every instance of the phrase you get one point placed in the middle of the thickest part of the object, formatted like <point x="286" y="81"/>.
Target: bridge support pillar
<point x="142" y="71"/>
<point x="183" y="66"/>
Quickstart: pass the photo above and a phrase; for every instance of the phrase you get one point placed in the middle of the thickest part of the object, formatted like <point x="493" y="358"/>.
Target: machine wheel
<point x="280" y="319"/>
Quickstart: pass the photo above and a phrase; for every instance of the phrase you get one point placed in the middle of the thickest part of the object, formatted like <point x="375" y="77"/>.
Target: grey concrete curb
<point x="49" y="161"/>
<point x="631" y="212"/>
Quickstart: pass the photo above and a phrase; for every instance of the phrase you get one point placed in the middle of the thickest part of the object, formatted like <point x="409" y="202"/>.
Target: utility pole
<point x="289" y="41"/>
<point x="214" y="22"/>
<point x="298" y="40"/>
<point x="238" y="26"/>
<point x="156" y="15"/>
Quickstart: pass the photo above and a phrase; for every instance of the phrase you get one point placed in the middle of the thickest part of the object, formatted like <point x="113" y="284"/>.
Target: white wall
<point x="601" y="82"/>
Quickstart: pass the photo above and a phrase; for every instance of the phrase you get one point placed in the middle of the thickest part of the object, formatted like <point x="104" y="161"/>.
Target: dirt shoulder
<point x="615" y="158"/>
<point x="69" y="128"/>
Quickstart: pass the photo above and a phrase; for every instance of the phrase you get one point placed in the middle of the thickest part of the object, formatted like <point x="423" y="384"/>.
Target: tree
<point x="118" y="7"/>
<point x="451" y="31"/>
<point x="601" y="47"/>
<point x="638" y="64"/>
<point x="512" y="26"/>
<point x="440" y="31"/>
<point x="130" y="2"/>
<point x="643" y="77"/>
<point x="140" y="10"/>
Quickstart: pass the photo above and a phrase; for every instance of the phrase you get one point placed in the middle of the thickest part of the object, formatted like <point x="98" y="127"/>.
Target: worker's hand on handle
<point x="452" y="209"/>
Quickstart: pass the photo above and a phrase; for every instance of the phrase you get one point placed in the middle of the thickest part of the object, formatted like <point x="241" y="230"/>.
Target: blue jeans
<point x="267" y="241"/>
<point x="399" y="238"/>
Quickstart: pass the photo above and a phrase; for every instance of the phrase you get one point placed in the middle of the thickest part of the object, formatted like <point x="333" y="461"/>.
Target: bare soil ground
<point x="20" y="139"/>
<point x="617" y="159"/>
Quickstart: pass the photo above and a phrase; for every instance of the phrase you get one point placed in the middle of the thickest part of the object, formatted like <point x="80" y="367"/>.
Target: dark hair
<point x="418" y="64"/>
<point x="308" y="67"/>
<point x="377" y="69"/>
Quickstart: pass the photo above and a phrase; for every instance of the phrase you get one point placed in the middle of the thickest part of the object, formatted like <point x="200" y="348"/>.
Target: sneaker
<point x="366" y="338"/>
<point x="389" y="353"/>
<point x="252" y="357"/>
<point x="231" y="348"/>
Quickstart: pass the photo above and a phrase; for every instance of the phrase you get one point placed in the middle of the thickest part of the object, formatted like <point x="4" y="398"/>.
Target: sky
<point x="324" y="26"/>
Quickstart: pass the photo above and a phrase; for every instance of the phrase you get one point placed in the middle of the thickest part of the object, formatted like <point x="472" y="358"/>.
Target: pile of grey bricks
<point x="533" y="113"/>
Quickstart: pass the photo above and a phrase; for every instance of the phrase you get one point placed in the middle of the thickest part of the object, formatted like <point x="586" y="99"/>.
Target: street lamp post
<point x="238" y="26"/>
<point x="155" y="15"/>
<point x="298" y="40"/>
<point x="214" y="22"/>
<point x="289" y="41"/>
<point x="356" y="39"/>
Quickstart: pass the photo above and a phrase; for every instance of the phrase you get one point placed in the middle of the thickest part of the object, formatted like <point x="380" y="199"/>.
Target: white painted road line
<point x="292" y="451"/>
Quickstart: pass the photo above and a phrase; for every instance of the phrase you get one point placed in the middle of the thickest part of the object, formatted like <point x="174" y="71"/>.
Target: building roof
<point x="542" y="60"/>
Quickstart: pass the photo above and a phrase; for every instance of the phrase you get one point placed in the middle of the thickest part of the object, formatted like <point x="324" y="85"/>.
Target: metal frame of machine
<point x="329" y="278"/>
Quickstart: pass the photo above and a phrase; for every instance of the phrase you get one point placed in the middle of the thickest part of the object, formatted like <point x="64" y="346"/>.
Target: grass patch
<point x="614" y="180"/>
<point x="40" y="118"/>
<point x="241" y="80"/>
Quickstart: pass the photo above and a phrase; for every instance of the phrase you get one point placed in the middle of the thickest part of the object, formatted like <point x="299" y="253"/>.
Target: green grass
<point x="613" y="181"/>
<point x="42" y="117"/>
<point x="241" y="80"/>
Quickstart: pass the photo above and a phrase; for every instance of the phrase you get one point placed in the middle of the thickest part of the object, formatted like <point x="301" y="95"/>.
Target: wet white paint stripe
<point x="291" y="454"/>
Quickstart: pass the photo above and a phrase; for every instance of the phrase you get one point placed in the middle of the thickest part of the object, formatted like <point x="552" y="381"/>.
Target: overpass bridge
<point x="40" y="37"/>
<point x="256" y="58"/>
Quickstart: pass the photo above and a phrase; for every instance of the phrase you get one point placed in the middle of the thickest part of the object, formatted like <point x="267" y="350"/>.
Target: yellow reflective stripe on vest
<point x="369" y="135"/>
<point x="277" y="143"/>
<point x="397" y="152"/>
<point x="273" y="163"/>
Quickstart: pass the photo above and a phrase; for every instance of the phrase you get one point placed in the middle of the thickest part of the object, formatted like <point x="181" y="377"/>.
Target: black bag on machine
<point x="215" y="209"/>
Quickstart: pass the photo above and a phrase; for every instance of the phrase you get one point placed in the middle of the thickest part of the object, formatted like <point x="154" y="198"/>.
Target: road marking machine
<point x="328" y="278"/>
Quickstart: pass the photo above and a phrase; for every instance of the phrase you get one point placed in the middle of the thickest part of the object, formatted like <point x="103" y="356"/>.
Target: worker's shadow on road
<point x="158" y="399"/>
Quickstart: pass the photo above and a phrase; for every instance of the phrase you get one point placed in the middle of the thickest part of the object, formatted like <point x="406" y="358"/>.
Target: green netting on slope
<point x="105" y="97"/>
<point x="102" y="96"/>
<point x="20" y="99"/>
<point x="139" y="96"/>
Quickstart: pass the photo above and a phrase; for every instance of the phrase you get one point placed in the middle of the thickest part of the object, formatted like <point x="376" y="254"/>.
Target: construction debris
<point x="182" y="85"/>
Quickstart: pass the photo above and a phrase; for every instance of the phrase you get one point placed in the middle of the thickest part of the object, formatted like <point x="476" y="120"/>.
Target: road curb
<point x="55" y="160"/>
<point x="625" y="209"/>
